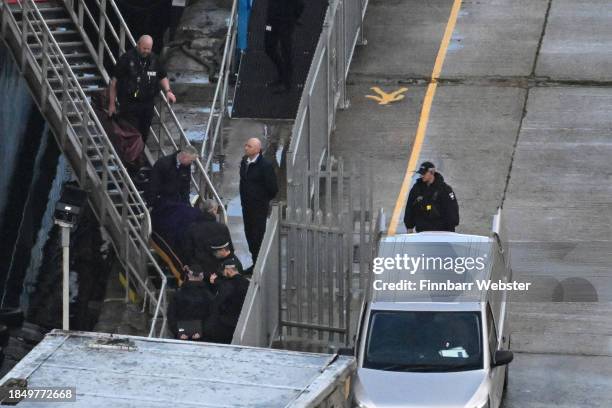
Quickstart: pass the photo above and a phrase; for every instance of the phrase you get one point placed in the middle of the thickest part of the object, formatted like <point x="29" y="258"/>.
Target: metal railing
<point x="219" y="107"/>
<point x="112" y="36"/>
<point x="325" y="86"/>
<point x="84" y="142"/>
<point x="258" y="322"/>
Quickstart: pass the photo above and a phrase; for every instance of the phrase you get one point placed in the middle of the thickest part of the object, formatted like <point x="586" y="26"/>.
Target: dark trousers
<point x="217" y="332"/>
<point x="278" y="46"/>
<point x="139" y="115"/>
<point x="254" y="218"/>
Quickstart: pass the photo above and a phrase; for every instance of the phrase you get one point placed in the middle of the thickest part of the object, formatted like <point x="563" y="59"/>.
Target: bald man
<point x="258" y="187"/>
<point x="137" y="78"/>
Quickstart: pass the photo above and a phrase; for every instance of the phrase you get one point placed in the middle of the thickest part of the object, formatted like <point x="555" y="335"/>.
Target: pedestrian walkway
<point x="253" y="99"/>
<point x="521" y="117"/>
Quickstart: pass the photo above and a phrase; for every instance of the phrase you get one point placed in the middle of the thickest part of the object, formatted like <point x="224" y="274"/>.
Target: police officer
<point x="232" y="288"/>
<point x="137" y="77"/>
<point x="280" y="24"/>
<point x="431" y="205"/>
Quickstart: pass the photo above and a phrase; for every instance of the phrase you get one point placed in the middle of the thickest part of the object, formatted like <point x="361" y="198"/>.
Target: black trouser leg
<point x="217" y="332"/>
<point x="139" y="115"/>
<point x="286" y="51"/>
<point x="144" y="121"/>
<point x="254" y="228"/>
<point x="271" y="41"/>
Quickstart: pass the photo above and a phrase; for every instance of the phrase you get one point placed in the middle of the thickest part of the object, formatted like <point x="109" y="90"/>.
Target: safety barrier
<point x="325" y="87"/>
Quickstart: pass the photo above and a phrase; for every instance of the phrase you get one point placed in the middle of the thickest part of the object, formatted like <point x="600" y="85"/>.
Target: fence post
<point x="44" y="68"/>
<point x="24" y="33"/>
<point x="101" y="32"/>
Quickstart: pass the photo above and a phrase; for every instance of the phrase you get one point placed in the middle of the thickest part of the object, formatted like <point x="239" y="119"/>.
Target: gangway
<point x="62" y="48"/>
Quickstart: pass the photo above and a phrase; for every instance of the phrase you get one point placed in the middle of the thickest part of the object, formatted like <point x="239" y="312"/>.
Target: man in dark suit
<point x="171" y="178"/>
<point x="258" y="186"/>
<point x="280" y="24"/>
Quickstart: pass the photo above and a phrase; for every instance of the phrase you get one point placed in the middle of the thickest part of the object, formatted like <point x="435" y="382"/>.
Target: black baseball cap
<point x="425" y="167"/>
<point x="232" y="262"/>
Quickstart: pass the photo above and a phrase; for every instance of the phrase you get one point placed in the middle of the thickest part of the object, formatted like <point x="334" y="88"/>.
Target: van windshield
<point x="424" y="341"/>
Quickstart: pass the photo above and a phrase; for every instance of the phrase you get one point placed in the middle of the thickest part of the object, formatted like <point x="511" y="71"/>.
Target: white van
<point x="435" y="346"/>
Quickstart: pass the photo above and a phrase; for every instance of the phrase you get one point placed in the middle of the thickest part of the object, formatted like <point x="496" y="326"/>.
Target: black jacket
<point x="432" y="208"/>
<point x="138" y="78"/>
<point x="230" y="297"/>
<point x="192" y="301"/>
<point x="195" y="244"/>
<point x="169" y="182"/>
<point x="284" y="10"/>
<point x="258" y="183"/>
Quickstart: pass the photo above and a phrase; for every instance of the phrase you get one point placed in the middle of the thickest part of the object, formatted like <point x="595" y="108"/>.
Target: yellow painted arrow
<point x="384" y="98"/>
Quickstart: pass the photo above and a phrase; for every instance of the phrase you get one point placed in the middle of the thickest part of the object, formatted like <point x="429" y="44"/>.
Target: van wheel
<point x="4" y="336"/>
<point x="11" y="317"/>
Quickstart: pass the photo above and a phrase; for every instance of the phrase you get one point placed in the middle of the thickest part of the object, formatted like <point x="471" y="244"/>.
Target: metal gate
<point x="329" y="233"/>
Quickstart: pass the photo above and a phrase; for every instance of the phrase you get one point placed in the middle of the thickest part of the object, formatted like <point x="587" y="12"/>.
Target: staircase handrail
<point x="69" y="76"/>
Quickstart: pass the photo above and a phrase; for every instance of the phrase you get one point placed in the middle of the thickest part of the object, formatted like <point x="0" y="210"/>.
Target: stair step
<point x="55" y="32"/>
<point x="65" y="45"/>
<point x="57" y="21"/>
<point x="98" y="158"/>
<point x="88" y="78"/>
<point x="85" y="89"/>
<point x="44" y="8"/>
<point x="69" y="56"/>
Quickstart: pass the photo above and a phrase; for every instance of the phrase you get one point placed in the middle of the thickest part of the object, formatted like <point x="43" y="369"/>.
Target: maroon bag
<point x="126" y="139"/>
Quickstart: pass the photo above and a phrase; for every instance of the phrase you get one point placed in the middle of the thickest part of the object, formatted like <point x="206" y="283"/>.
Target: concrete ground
<point x="520" y="117"/>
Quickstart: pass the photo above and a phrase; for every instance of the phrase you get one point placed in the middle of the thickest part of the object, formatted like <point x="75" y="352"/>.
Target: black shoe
<point x="249" y="271"/>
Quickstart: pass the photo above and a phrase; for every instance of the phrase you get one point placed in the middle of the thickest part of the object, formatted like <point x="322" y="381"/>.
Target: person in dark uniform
<point x="223" y="251"/>
<point x="232" y="288"/>
<point x="431" y="205"/>
<point x="136" y="80"/>
<point x="171" y="178"/>
<point x="200" y="240"/>
<point x="280" y="24"/>
<point x="258" y="186"/>
<point x="190" y="305"/>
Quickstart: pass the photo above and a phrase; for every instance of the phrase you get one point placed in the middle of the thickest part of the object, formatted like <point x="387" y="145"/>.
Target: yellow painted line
<point x="131" y="292"/>
<point x="424" y="118"/>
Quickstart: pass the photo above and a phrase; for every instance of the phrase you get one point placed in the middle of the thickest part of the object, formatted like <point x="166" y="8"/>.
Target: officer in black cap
<point x="431" y="205"/>
<point x="232" y="288"/>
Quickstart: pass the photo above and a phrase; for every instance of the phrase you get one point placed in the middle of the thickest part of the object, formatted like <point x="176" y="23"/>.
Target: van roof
<point x="444" y="262"/>
<point x="122" y="371"/>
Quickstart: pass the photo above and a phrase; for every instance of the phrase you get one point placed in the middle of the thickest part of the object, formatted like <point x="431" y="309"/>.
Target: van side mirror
<point x="502" y="357"/>
<point x="346" y="351"/>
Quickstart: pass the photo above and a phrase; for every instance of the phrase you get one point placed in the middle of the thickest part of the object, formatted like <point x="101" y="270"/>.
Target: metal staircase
<point x="62" y="48"/>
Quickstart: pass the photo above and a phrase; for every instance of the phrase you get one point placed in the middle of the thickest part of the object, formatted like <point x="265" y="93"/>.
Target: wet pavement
<point x="520" y="117"/>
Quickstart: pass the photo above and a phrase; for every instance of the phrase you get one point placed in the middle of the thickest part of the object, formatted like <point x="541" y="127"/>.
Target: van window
<point x="492" y="331"/>
<point x="424" y="341"/>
